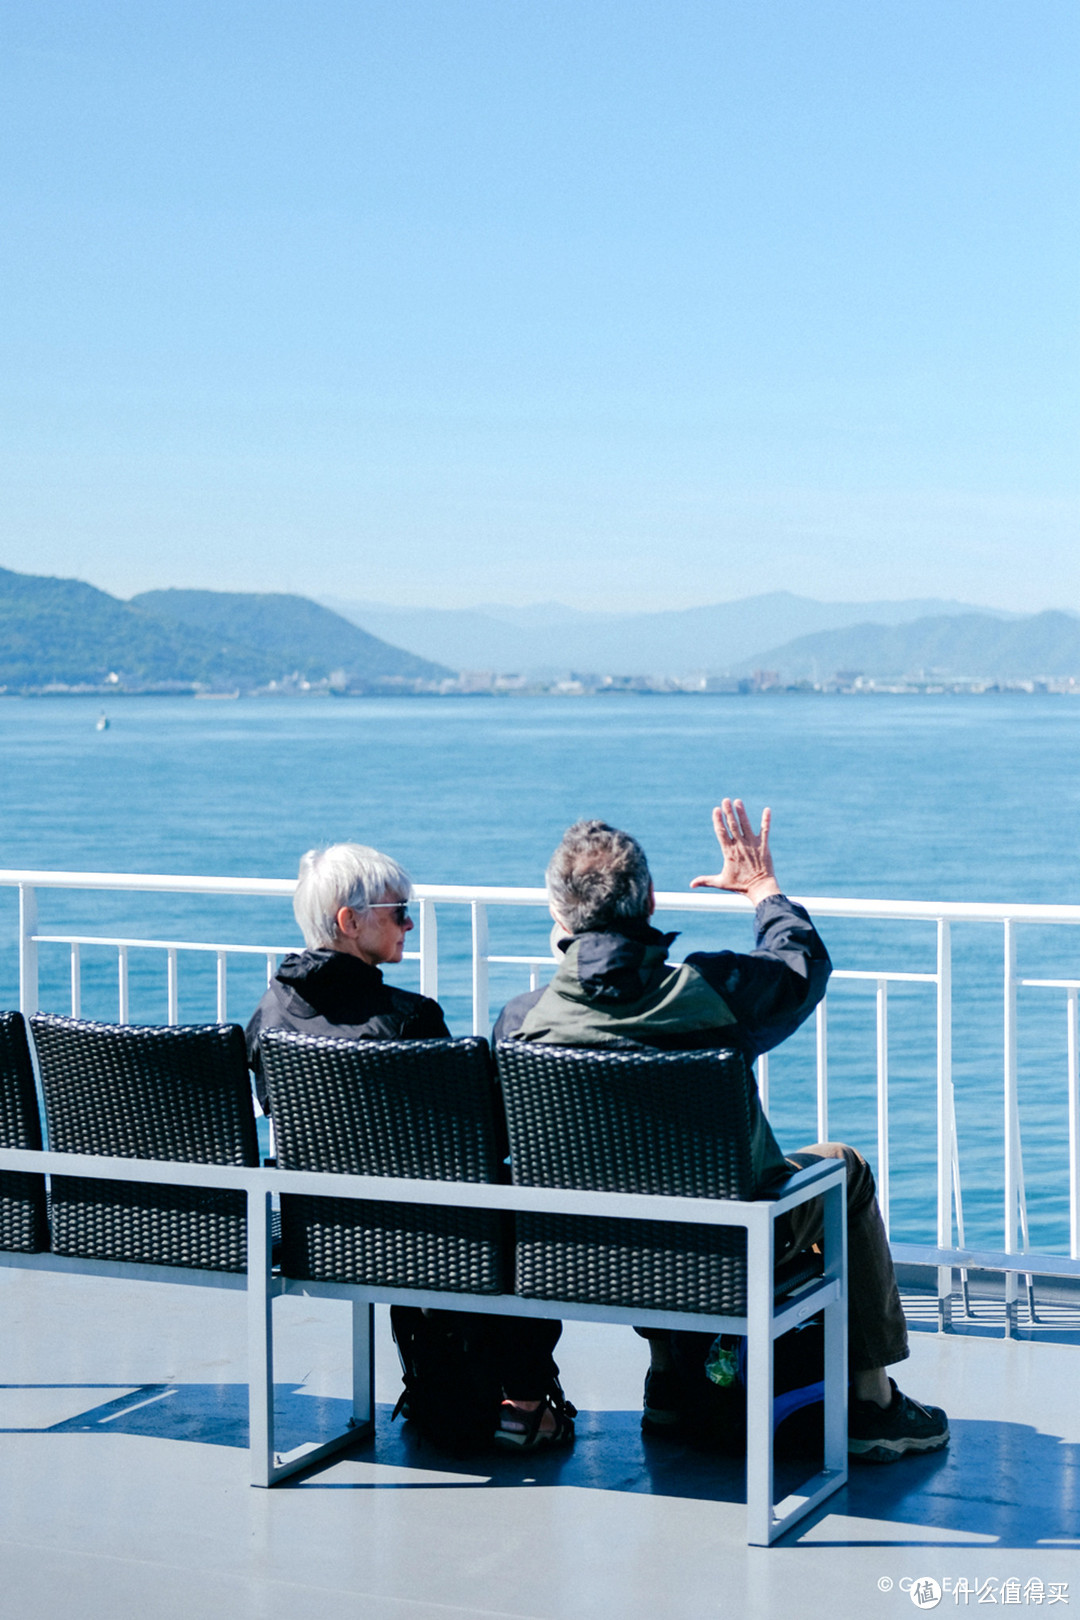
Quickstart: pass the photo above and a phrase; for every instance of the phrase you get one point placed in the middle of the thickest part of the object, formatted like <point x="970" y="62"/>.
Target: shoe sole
<point x="663" y="1425"/>
<point x="539" y="1442"/>
<point x="660" y="1418"/>
<point x="890" y="1451"/>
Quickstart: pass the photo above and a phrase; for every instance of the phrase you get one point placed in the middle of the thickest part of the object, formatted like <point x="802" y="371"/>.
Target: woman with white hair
<point x="352" y="904"/>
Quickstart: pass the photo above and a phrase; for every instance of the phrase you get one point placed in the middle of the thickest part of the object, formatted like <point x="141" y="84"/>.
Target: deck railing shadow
<point x="1000" y="1483"/>
<point x="208" y="1414"/>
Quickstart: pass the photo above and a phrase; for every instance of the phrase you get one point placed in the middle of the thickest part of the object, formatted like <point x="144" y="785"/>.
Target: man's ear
<point x="652" y="899"/>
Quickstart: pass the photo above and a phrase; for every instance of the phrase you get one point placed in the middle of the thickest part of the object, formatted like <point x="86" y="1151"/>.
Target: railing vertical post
<point x="222" y="988"/>
<point x="173" y="971"/>
<point x="76" y="983"/>
<point x="883" y="1100"/>
<point x="28" y="951"/>
<point x="822" y="1031"/>
<point x="763" y="1080"/>
<point x="481" y="1022"/>
<point x="124" y="983"/>
<point x="429" y="950"/>
<point x="1074" y="1123"/>
<point x="945" y="1117"/>
<point x="1011" y="1106"/>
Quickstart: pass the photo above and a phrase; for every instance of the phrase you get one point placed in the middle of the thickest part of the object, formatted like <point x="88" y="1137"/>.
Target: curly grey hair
<point x="597" y="876"/>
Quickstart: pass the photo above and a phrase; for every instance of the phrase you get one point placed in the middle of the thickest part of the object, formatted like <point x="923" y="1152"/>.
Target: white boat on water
<point x="125" y="1427"/>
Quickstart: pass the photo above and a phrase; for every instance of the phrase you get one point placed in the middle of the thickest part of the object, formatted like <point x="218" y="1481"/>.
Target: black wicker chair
<point x="629" y="1122"/>
<point x="24" y="1226"/>
<point x="419" y="1109"/>
<point x="179" y="1093"/>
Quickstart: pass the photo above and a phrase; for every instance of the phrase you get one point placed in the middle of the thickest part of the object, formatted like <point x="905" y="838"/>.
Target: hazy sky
<point x="628" y="304"/>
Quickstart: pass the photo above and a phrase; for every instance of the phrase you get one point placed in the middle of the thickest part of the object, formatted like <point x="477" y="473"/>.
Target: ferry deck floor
<point x="125" y="1495"/>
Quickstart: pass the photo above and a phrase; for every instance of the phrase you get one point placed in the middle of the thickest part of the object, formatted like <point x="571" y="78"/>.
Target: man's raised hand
<point x="748" y="867"/>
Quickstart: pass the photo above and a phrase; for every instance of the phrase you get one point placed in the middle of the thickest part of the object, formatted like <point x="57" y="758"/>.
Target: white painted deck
<point x="124" y="1494"/>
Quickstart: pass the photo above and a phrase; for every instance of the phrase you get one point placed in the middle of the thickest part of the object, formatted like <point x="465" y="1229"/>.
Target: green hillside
<point x="967" y="644"/>
<point x="63" y="632"/>
<point x="304" y="637"/>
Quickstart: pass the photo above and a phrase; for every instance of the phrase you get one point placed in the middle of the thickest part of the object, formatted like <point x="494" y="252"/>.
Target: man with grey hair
<point x="614" y="986"/>
<point x="352" y="904"/>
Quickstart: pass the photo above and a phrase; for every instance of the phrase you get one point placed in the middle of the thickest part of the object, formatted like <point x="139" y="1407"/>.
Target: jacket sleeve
<point x="425" y="1022"/>
<point x="777" y="986"/>
<point x="254" y="1057"/>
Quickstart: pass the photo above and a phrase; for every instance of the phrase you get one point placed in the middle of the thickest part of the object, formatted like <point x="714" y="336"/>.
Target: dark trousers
<point x="523" y="1345"/>
<point x="877" y="1331"/>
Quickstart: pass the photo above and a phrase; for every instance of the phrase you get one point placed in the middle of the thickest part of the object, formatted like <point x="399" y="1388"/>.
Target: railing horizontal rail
<point x="1018" y="1265"/>
<point x="504" y="895"/>
<point x="162" y="944"/>
<point x="877" y="974"/>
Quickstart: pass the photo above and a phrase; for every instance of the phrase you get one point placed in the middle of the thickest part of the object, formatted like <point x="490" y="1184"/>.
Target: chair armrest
<point x="808" y="1183"/>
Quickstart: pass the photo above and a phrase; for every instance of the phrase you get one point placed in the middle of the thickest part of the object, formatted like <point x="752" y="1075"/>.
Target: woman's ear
<point x="346" y="922"/>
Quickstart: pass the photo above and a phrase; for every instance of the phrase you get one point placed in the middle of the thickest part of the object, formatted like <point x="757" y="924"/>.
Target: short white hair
<point x="343" y="875"/>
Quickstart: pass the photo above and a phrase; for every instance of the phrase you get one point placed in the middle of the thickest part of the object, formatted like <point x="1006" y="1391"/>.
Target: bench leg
<point x="766" y="1520"/>
<point x="363" y="1364"/>
<point x="760" y="1241"/>
<point x="836" y="1340"/>
<point x="260" y="1339"/>
<point x="268" y="1466"/>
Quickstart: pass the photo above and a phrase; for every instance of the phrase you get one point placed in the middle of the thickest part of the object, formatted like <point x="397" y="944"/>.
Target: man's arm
<point x="776" y="987"/>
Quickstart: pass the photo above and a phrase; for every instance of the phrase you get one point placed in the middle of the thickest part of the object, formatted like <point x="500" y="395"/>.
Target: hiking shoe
<point x="882" y="1434"/>
<point x="663" y="1401"/>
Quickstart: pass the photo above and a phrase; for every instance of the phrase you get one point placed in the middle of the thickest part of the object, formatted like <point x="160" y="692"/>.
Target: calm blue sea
<point x="959" y="798"/>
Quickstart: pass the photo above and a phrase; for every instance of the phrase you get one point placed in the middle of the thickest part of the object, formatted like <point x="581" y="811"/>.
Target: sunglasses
<point x="400" y="908"/>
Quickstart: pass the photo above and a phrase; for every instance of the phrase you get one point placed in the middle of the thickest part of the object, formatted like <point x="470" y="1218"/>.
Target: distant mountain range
<point x="62" y="632"/>
<point x="549" y="640"/>
<point x="969" y="644"/>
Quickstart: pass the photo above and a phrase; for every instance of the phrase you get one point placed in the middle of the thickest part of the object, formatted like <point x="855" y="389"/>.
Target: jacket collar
<point x="328" y="980"/>
<point x="617" y="965"/>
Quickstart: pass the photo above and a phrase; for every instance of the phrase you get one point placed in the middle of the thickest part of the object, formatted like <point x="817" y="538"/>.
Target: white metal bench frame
<point x="763" y="1323"/>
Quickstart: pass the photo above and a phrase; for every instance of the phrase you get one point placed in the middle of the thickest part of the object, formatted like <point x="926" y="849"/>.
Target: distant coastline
<point x="584" y="686"/>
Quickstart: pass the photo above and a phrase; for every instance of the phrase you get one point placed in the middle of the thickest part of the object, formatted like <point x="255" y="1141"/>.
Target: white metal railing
<point x="949" y="1249"/>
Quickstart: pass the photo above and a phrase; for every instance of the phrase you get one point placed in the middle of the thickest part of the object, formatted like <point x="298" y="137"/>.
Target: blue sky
<point x="630" y="305"/>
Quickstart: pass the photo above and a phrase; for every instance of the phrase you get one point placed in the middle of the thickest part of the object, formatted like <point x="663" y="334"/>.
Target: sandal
<point x="527" y="1434"/>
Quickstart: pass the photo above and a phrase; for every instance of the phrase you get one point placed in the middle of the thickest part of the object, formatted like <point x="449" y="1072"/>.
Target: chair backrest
<point x="636" y="1122"/>
<point x="23" y="1222"/>
<point x="420" y="1109"/>
<point x="174" y="1092"/>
